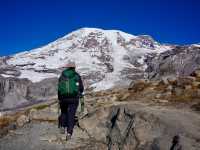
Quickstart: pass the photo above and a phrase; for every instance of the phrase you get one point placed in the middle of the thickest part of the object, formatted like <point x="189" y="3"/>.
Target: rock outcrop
<point x="140" y="128"/>
<point x="180" y="61"/>
<point x="16" y="92"/>
<point x="44" y="90"/>
<point x="13" y="92"/>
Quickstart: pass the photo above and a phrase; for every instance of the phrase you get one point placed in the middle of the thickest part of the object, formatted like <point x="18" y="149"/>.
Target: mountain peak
<point x="102" y="56"/>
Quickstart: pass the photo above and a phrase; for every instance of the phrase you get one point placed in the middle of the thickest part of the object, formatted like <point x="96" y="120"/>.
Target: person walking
<point x="70" y="89"/>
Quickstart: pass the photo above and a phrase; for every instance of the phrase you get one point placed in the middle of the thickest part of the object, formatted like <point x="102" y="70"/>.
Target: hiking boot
<point x="68" y="136"/>
<point x="62" y="130"/>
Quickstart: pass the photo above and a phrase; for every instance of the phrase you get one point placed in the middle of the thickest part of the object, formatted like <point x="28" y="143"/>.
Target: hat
<point x="70" y="64"/>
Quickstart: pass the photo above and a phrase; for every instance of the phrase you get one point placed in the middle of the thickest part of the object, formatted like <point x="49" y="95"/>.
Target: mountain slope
<point x="104" y="57"/>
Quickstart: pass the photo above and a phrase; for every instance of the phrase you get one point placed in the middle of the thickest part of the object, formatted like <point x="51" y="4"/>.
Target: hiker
<point x="70" y="89"/>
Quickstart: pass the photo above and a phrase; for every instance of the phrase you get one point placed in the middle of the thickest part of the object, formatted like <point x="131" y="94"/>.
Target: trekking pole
<point x="82" y="103"/>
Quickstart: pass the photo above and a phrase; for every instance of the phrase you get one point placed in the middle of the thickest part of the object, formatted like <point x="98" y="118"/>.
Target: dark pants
<point x="68" y="111"/>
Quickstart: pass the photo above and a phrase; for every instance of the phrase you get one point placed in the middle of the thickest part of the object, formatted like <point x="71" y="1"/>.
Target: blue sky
<point x="28" y="24"/>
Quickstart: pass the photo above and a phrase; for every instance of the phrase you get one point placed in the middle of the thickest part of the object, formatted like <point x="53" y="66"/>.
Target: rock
<point x="13" y="92"/>
<point x="32" y="112"/>
<point x="172" y="80"/>
<point x="197" y="73"/>
<point x="43" y="90"/>
<point x="188" y="87"/>
<point x="114" y="97"/>
<point x="125" y="96"/>
<point x="22" y="120"/>
<point x="16" y="92"/>
<point x="161" y="101"/>
<point x="54" y="108"/>
<point x="123" y="126"/>
<point x="196" y="107"/>
<point x="138" y="85"/>
<point x="181" y="82"/>
<point x="9" y="71"/>
<point x="169" y="88"/>
<point x="168" y="94"/>
<point x="49" y="138"/>
<point x="136" y="127"/>
<point x="180" y="61"/>
<point x="178" y="91"/>
<point x="158" y="96"/>
<point x="198" y="93"/>
<point x="165" y="80"/>
<point x="90" y="125"/>
<point x="196" y="84"/>
<point x="44" y="115"/>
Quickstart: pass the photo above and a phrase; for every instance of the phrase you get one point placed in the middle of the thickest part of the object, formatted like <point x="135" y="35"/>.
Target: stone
<point x="198" y="93"/>
<point x="172" y="80"/>
<point x="183" y="81"/>
<point x="169" y="88"/>
<point x="180" y="61"/>
<point x="32" y="112"/>
<point x="162" y="101"/>
<point x="138" y="85"/>
<point x="188" y="87"/>
<point x="165" y="80"/>
<point x="178" y="91"/>
<point x="125" y="96"/>
<point x="49" y="138"/>
<point x="197" y="73"/>
<point x="43" y="115"/>
<point x="196" y="107"/>
<point x="168" y="94"/>
<point x="158" y="96"/>
<point x="22" y="120"/>
<point x="13" y="92"/>
<point x="196" y="84"/>
<point x="124" y="126"/>
<point x="43" y="90"/>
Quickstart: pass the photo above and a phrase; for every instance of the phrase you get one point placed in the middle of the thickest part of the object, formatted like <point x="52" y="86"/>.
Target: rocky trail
<point x="123" y="125"/>
<point x="148" y="115"/>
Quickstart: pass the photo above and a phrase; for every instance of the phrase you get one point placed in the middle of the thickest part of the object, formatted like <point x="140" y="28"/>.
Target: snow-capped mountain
<point x="104" y="58"/>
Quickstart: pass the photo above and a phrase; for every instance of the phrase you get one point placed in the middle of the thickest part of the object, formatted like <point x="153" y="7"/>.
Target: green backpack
<point x="68" y="83"/>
